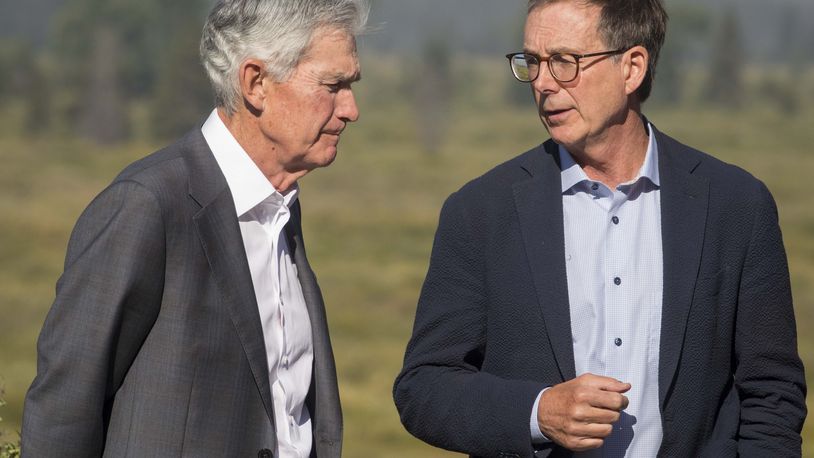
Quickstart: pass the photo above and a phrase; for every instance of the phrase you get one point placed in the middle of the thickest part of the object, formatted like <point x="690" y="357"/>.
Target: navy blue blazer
<point x="492" y="326"/>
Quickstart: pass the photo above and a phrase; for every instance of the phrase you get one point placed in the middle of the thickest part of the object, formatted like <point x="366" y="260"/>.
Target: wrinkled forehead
<point x="563" y="26"/>
<point x="332" y="53"/>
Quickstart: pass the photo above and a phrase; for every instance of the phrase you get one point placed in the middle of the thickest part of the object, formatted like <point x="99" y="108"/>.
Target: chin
<point x="564" y="136"/>
<point x="327" y="157"/>
<point x="559" y="134"/>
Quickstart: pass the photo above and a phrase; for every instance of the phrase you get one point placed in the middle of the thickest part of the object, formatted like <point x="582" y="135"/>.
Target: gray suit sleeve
<point x="106" y="302"/>
<point x="769" y="374"/>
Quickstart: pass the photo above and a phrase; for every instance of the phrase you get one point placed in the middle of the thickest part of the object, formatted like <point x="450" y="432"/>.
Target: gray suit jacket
<point x="153" y="346"/>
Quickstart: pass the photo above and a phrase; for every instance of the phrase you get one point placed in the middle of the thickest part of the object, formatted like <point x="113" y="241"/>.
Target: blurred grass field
<point x="369" y="221"/>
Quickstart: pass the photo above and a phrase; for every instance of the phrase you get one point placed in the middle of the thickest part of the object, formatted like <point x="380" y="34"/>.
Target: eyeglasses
<point x="564" y="67"/>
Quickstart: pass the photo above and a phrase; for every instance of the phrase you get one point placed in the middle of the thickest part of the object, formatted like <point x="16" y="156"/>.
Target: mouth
<point x="555" y="113"/>
<point x="330" y="138"/>
<point x="555" y="117"/>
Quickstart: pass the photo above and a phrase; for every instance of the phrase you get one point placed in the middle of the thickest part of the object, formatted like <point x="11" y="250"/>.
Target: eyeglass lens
<point x="526" y="67"/>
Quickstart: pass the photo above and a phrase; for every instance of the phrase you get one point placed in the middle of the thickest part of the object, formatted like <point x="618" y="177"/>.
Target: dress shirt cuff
<point x="537" y="436"/>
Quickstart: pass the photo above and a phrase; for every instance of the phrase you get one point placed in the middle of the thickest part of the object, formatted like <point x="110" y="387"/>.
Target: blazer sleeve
<point x="106" y="302"/>
<point x="442" y="395"/>
<point x="769" y="374"/>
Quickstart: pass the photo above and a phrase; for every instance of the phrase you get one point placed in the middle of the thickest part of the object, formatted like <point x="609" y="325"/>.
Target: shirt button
<point x="618" y="342"/>
<point x="617" y="281"/>
<point x="615" y="220"/>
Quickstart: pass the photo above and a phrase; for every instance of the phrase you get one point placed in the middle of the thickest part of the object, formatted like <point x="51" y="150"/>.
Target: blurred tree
<point x="24" y="80"/>
<point x="517" y="94"/>
<point x="87" y="48"/>
<point x="36" y="91"/>
<point x="432" y="93"/>
<point x="182" y="95"/>
<point x="11" y="52"/>
<point x="796" y="40"/>
<point x="688" y="26"/>
<point x="725" y="80"/>
<point x="112" y="52"/>
<point x="104" y="113"/>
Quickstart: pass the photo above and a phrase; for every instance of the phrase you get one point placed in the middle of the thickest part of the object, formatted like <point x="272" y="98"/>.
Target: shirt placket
<point x="272" y="226"/>
<point x="617" y="282"/>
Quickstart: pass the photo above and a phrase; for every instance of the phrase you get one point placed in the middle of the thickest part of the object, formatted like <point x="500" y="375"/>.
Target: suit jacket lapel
<point x="220" y="237"/>
<point x="325" y="407"/>
<point x="539" y="208"/>
<point x="684" y="200"/>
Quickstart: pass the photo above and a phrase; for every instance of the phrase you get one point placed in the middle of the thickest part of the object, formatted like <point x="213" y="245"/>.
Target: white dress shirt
<point x="262" y="214"/>
<point x="614" y="267"/>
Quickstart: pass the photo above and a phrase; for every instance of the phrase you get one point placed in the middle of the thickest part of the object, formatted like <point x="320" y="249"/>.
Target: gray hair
<point x="278" y="32"/>
<point x="627" y="23"/>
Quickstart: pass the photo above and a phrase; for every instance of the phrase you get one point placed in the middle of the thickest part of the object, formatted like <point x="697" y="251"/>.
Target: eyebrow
<point x="344" y="77"/>
<point x="558" y="50"/>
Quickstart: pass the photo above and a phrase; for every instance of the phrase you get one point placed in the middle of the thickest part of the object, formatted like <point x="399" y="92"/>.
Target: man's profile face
<point x="576" y="113"/>
<point x="305" y="114"/>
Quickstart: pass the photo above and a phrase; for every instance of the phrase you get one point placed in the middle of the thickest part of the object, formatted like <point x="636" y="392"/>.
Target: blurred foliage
<point x="7" y="449"/>
<point x="686" y="32"/>
<point x="113" y="54"/>
<point x="431" y="87"/>
<point x="727" y="62"/>
<point x="26" y="79"/>
<point x="118" y="70"/>
<point x="371" y="256"/>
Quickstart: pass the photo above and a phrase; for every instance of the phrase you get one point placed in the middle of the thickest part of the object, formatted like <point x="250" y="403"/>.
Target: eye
<point x="334" y="87"/>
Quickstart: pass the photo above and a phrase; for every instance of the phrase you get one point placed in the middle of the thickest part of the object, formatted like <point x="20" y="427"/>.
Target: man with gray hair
<point x="188" y="321"/>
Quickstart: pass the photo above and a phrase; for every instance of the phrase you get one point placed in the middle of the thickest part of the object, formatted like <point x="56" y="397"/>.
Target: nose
<point x="346" y="108"/>
<point x="545" y="82"/>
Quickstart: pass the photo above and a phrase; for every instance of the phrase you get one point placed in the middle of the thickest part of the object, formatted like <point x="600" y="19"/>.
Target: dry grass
<point x="369" y="222"/>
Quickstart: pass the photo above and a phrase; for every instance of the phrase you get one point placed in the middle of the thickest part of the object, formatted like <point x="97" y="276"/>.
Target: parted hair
<point x="278" y="32"/>
<point x="627" y="23"/>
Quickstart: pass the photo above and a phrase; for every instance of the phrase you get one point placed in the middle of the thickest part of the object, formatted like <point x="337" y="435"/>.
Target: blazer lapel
<point x="684" y="200"/>
<point x="220" y="237"/>
<point x="539" y="208"/>
<point x="326" y="411"/>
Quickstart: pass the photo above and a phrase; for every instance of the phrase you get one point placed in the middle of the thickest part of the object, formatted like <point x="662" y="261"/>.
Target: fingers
<point x="606" y="400"/>
<point x="588" y="391"/>
<point x="584" y="436"/>
<point x="582" y="444"/>
<point x="579" y="414"/>
<point x="604" y="383"/>
<point x="589" y="430"/>
<point x="587" y="414"/>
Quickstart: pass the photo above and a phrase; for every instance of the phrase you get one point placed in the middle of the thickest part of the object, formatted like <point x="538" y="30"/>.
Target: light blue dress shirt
<point x="614" y="266"/>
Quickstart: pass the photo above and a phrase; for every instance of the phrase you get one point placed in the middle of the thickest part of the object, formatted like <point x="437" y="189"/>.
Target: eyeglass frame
<point x="576" y="57"/>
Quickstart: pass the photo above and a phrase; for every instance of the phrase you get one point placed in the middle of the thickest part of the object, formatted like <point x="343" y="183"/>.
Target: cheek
<point x="321" y="106"/>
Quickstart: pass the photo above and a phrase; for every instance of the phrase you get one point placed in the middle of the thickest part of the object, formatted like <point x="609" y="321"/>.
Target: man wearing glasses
<point x="611" y="292"/>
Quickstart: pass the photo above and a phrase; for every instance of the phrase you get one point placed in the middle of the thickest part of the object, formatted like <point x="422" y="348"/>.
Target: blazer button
<point x="265" y="453"/>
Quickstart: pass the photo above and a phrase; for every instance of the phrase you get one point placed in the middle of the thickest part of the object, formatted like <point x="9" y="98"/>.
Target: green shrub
<point x="7" y="449"/>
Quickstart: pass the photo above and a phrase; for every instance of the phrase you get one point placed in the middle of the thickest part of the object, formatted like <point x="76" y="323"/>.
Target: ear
<point x="636" y="60"/>
<point x="250" y="76"/>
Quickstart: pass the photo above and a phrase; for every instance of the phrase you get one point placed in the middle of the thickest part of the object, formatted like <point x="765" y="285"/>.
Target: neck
<point x="246" y="129"/>
<point x="617" y="156"/>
